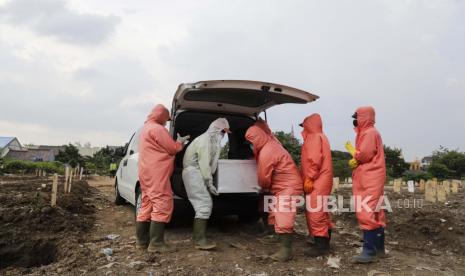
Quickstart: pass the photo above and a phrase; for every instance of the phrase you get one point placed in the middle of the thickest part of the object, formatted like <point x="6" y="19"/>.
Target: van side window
<point x="134" y="145"/>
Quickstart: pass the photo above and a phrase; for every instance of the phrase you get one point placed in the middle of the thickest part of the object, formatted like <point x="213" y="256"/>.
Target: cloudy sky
<point x="90" y="71"/>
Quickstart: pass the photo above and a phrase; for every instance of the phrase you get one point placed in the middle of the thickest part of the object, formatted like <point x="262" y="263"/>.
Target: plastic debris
<point x="377" y="273"/>
<point x="334" y="262"/>
<point x="112" y="237"/>
<point x="107" y="251"/>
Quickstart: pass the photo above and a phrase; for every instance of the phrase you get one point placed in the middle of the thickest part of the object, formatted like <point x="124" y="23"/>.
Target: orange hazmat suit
<point x="317" y="166"/>
<point x="156" y="164"/>
<point x="278" y="174"/>
<point x="370" y="175"/>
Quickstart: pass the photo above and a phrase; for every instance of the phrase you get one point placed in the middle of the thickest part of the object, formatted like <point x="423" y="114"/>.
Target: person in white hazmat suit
<point x="200" y="163"/>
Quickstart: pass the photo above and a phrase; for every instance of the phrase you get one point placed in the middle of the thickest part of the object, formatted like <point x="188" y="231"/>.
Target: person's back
<point x="191" y="155"/>
<point x="156" y="163"/>
<point x="152" y="150"/>
<point x="285" y="175"/>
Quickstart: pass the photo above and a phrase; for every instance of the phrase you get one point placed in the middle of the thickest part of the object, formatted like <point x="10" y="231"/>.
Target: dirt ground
<point x="69" y="239"/>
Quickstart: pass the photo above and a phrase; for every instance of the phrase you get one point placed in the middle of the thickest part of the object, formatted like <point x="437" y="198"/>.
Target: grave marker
<point x="430" y="191"/>
<point x="441" y="192"/>
<point x="54" y="190"/>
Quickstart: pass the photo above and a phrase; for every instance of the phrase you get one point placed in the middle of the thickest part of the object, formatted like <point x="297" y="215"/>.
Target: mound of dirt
<point x="33" y="233"/>
<point x="440" y="225"/>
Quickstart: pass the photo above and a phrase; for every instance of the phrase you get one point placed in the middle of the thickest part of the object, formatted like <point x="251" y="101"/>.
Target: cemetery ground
<point x="70" y="238"/>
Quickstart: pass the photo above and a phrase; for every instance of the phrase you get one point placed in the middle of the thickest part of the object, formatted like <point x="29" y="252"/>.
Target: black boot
<point x="368" y="254"/>
<point x="320" y="248"/>
<point x="142" y="234"/>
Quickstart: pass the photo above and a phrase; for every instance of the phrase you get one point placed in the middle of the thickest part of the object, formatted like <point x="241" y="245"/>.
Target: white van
<point x="195" y="106"/>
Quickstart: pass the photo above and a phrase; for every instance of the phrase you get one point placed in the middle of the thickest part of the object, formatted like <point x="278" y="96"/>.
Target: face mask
<point x="355" y="122"/>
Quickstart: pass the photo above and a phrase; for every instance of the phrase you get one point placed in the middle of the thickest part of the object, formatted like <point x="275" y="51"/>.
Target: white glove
<point x="183" y="139"/>
<point x="212" y="187"/>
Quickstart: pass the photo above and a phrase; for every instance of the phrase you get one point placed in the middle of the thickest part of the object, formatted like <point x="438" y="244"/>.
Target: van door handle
<point x="125" y="163"/>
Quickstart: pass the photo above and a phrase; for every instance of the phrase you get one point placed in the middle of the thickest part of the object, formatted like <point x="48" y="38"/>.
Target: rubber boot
<point x="199" y="235"/>
<point x="320" y="248"/>
<point x="368" y="254"/>
<point x="157" y="239"/>
<point x="311" y="239"/>
<point x="142" y="234"/>
<point x="380" y="251"/>
<point x="284" y="253"/>
<point x="271" y="238"/>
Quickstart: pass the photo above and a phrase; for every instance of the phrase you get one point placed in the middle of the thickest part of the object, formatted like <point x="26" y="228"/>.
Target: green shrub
<point x="50" y="167"/>
<point x="19" y="166"/>
<point x="417" y="176"/>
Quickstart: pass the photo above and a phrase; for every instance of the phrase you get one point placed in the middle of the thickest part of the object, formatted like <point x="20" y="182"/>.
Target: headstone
<point x="397" y="186"/>
<point x="446" y="184"/>
<point x="430" y="191"/>
<point x="335" y="184"/>
<point x="441" y="192"/>
<point x="421" y="186"/>
<point x="455" y="186"/>
<point x="410" y="186"/>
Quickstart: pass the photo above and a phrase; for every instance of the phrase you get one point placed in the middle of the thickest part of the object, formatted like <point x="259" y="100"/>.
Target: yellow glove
<point x="353" y="164"/>
<point x="308" y="186"/>
<point x="350" y="148"/>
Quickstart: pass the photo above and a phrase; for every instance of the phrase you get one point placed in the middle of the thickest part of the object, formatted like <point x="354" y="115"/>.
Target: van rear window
<point x="243" y="97"/>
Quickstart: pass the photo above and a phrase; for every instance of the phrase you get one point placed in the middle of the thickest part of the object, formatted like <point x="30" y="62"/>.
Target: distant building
<point x="54" y="149"/>
<point x="31" y="155"/>
<point x="415" y="165"/>
<point x="87" y="150"/>
<point x="7" y="144"/>
<point x="11" y="148"/>
<point x="426" y="162"/>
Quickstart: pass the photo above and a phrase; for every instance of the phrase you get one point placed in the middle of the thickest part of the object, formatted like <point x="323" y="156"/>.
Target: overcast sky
<point x="90" y="71"/>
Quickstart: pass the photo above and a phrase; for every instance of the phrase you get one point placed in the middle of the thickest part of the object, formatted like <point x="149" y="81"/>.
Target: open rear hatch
<point x="236" y="96"/>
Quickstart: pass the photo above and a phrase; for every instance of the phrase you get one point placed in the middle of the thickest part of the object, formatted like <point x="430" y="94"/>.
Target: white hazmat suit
<point x="200" y="163"/>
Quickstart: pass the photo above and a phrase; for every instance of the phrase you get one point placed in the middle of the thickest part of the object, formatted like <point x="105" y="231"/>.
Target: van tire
<point x="119" y="200"/>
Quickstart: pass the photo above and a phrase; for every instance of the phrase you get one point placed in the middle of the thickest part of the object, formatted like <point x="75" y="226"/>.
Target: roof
<point x="4" y="141"/>
<point x="427" y="159"/>
<point x="32" y="155"/>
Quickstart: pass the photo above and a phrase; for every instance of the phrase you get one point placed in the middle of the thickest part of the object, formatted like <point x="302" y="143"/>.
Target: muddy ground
<point x="69" y="239"/>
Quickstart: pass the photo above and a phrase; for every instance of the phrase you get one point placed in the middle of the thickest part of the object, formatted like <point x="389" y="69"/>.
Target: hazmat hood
<point x="236" y="96"/>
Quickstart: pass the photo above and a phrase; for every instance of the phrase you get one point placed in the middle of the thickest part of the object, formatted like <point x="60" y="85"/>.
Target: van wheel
<point x="138" y="202"/>
<point x="118" y="199"/>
